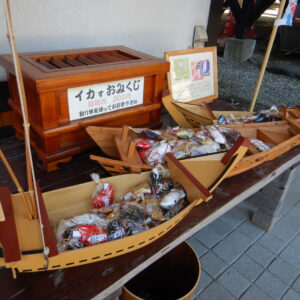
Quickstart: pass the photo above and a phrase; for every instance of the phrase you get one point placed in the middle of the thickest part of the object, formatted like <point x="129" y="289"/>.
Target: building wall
<point x="150" y="26"/>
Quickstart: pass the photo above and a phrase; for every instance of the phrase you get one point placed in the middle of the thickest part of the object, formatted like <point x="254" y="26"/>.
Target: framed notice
<point x="193" y="75"/>
<point x="92" y="100"/>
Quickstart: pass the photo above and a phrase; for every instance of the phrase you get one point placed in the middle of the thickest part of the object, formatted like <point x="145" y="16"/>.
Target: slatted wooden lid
<point x="77" y="60"/>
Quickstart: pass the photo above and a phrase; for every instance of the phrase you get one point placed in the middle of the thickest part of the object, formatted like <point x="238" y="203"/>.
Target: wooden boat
<point x="281" y="136"/>
<point x="194" y="115"/>
<point x="21" y="239"/>
<point x="27" y="237"/>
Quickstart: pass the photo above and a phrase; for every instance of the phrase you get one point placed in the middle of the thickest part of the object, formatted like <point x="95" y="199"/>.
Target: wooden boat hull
<point x="35" y="262"/>
<point x="104" y="137"/>
<point x="76" y="200"/>
<point x="283" y="136"/>
<point x="189" y="115"/>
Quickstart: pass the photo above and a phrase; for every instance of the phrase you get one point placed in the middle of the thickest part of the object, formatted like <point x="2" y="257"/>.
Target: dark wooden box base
<point x="74" y="140"/>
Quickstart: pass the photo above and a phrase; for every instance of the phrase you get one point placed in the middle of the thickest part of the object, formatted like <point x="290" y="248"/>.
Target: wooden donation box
<point x="70" y="89"/>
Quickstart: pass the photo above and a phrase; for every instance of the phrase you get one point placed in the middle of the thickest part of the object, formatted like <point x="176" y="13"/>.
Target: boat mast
<point x="23" y="102"/>
<point x="267" y="55"/>
<point x="32" y="185"/>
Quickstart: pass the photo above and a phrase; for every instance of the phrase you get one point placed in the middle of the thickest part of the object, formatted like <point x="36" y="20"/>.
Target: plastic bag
<point x="222" y="120"/>
<point x="172" y="198"/>
<point x="182" y="150"/>
<point x="216" y="134"/>
<point x="269" y="115"/>
<point x="81" y="231"/>
<point x="203" y="137"/>
<point x="104" y="193"/>
<point x="230" y="134"/>
<point x="260" y="145"/>
<point x="184" y="133"/>
<point x="132" y="227"/>
<point x="133" y="211"/>
<point x="160" y="180"/>
<point x="169" y="136"/>
<point x="137" y="192"/>
<point x="153" y="209"/>
<point x="157" y="153"/>
<point x="144" y="143"/>
<point x="148" y="133"/>
<point x="115" y="230"/>
<point x="176" y="209"/>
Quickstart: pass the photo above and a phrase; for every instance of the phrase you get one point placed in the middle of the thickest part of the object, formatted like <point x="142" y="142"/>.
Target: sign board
<point x="92" y="100"/>
<point x="193" y="74"/>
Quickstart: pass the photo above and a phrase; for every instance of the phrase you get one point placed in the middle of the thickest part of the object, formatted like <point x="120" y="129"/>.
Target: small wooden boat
<point x="280" y="135"/>
<point x="20" y="236"/>
<point x="189" y="115"/>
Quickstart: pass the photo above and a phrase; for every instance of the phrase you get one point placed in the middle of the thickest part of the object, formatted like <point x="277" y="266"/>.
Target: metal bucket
<point x="174" y="276"/>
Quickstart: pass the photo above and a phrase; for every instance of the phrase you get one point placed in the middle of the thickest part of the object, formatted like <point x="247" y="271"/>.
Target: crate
<point x="53" y="82"/>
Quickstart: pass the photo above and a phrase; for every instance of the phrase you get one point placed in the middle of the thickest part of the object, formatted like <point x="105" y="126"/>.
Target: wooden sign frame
<point x="188" y="54"/>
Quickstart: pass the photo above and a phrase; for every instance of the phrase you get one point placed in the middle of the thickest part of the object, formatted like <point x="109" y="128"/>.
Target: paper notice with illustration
<point x="192" y="76"/>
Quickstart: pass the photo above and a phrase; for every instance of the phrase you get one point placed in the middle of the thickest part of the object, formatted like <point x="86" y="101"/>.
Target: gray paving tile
<point x="295" y="209"/>
<point x="271" y="285"/>
<point x="291" y="220"/>
<point x="208" y="237"/>
<point x="283" y="231"/>
<point x="291" y="295"/>
<point x="272" y="242"/>
<point x="220" y="227"/>
<point x="296" y="285"/>
<point x="212" y="264"/>
<point x="205" y="280"/>
<point x="255" y="293"/>
<point x="248" y="267"/>
<point x="252" y="231"/>
<point x="293" y="193"/>
<point x="236" y="216"/>
<point x="234" y="282"/>
<point x="260" y="254"/>
<point x="292" y="256"/>
<point x="226" y="251"/>
<point x="283" y="270"/>
<point x="296" y="242"/>
<point x="197" y="246"/>
<point x="239" y="239"/>
<point x="215" y="292"/>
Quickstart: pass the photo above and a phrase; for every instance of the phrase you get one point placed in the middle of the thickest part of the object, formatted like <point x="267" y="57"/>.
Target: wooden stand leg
<point x="271" y="200"/>
<point x="53" y="165"/>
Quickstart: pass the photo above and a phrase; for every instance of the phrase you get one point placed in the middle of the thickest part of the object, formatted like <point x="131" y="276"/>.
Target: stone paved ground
<point x="280" y="85"/>
<point x="241" y="261"/>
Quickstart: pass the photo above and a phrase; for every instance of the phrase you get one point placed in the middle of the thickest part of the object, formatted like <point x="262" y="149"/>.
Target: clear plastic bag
<point x="81" y="231"/>
<point x="160" y="180"/>
<point x="137" y="192"/>
<point x="260" y="145"/>
<point x="103" y="194"/>
<point x="156" y="154"/>
<point x="172" y="198"/>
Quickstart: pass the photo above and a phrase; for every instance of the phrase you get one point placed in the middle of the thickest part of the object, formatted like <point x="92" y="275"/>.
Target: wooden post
<point x="267" y="55"/>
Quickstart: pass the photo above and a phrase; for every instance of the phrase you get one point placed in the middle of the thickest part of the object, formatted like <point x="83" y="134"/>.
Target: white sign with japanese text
<point x="97" y="99"/>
